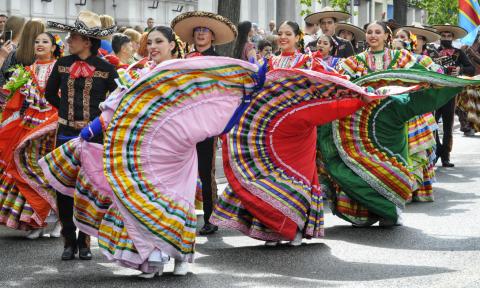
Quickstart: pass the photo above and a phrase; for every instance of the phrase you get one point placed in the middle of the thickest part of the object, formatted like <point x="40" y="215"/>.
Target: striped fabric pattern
<point x="156" y="215"/>
<point x="420" y="134"/>
<point x="231" y="213"/>
<point x="469" y="101"/>
<point x="468" y="14"/>
<point x="62" y="168"/>
<point x="94" y="211"/>
<point x="27" y="155"/>
<point x="251" y="157"/>
<point x="421" y="140"/>
<point x="352" y="211"/>
<point x="421" y="149"/>
<point x="414" y="76"/>
<point x="15" y="212"/>
<point x="169" y="221"/>
<point x="24" y="139"/>
<point x="254" y="164"/>
<point x="362" y="64"/>
<point x="114" y="240"/>
<point x="356" y="142"/>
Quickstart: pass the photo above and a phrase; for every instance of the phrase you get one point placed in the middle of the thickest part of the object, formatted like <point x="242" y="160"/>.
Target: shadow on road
<point x="459" y="174"/>
<point x="444" y="204"/>
<point x="32" y="263"/>
<point x="401" y="238"/>
<point x="312" y="261"/>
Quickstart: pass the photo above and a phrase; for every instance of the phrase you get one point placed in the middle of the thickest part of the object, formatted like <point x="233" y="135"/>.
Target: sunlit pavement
<point x="439" y="246"/>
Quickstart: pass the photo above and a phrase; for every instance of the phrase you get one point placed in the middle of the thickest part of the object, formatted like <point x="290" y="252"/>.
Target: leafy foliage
<point x="19" y="78"/>
<point x="341" y="5"/>
<point x="307" y="4"/>
<point x="438" y="12"/>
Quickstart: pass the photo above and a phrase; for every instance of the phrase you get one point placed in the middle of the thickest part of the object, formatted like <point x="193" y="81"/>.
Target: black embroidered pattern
<point x="81" y="28"/>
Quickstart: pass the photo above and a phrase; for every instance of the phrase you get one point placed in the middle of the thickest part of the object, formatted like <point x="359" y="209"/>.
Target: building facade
<point x="135" y="12"/>
<point x="125" y="12"/>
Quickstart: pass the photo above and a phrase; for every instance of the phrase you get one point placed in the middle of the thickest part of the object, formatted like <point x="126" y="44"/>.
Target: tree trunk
<point x="400" y="11"/>
<point x="282" y="11"/>
<point x="231" y="10"/>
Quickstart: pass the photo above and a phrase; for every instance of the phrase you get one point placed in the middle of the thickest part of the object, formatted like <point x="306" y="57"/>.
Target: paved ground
<point x="439" y="246"/>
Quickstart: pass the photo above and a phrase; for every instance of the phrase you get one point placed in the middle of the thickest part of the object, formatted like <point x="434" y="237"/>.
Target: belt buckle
<point x="79" y="124"/>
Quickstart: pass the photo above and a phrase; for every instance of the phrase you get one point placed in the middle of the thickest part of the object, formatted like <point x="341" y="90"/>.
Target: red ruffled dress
<point x="27" y="133"/>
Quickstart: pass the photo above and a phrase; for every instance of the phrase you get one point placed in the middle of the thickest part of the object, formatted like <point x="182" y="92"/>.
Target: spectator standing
<point x="244" y="47"/>
<point x="272" y="30"/>
<point x="3" y="20"/>
<point x="14" y="24"/>
<point x="25" y="53"/>
<point x="135" y="36"/>
<point x="150" y="24"/>
<point x="106" y="43"/>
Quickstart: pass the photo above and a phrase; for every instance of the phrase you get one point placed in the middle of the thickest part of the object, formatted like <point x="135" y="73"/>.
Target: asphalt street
<point x="438" y="246"/>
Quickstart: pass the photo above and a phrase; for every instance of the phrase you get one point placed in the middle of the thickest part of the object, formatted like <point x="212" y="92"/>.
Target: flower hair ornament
<point x="60" y="44"/>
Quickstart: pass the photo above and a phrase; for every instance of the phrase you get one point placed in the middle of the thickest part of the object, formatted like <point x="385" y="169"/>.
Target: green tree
<point x="342" y="5"/>
<point x="306" y="6"/>
<point x="231" y="10"/>
<point x="439" y="12"/>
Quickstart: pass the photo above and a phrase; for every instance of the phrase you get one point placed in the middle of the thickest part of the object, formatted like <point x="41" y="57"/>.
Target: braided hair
<point x="298" y="32"/>
<point x="180" y="47"/>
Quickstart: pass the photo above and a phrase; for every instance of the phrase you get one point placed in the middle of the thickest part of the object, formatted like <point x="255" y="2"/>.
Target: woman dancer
<point x="244" y="47"/>
<point x="290" y="40"/>
<point x="27" y="134"/>
<point x="364" y="157"/>
<point x="269" y="157"/>
<point x="421" y="129"/>
<point x="322" y="59"/>
<point x="168" y="109"/>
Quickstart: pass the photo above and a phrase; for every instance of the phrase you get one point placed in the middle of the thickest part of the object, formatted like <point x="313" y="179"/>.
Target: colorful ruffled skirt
<point x="469" y="102"/>
<point x="269" y="157"/>
<point x="421" y="149"/>
<point x="140" y="198"/>
<point x="371" y="163"/>
<point x="26" y="200"/>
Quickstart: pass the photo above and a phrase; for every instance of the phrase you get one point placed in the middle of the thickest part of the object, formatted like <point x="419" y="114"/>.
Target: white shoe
<point x="35" y="234"/>
<point x="56" y="231"/>
<point x="180" y="268"/>
<point x="297" y="241"/>
<point x="399" y="220"/>
<point x="159" y="272"/>
<point x="271" y="243"/>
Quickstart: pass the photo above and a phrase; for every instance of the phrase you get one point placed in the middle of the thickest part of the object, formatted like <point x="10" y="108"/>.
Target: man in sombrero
<point x="353" y="34"/>
<point x="204" y="30"/>
<point x="459" y="65"/>
<point x="84" y="80"/>
<point x="328" y="19"/>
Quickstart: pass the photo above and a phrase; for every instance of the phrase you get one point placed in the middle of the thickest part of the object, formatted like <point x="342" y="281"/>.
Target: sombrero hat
<point x="87" y="24"/>
<point x="420" y="30"/>
<point x="358" y="32"/>
<point x="327" y="12"/>
<point x="223" y="29"/>
<point x="458" y="32"/>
